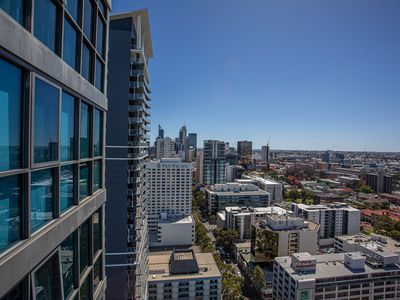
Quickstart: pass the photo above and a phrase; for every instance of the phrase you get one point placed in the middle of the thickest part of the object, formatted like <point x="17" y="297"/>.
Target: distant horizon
<point x="312" y="74"/>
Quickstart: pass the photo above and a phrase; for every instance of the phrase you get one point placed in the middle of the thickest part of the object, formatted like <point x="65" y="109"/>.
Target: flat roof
<point x="372" y="242"/>
<point x="177" y="220"/>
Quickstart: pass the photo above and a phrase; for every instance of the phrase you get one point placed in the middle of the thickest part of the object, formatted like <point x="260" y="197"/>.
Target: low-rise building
<point x="281" y="235"/>
<point x="334" y="276"/>
<point x="372" y="216"/>
<point x="220" y="196"/>
<point x="183" y="274"/>
<point x="335" y="219"/>
<point x="274" y="188"/>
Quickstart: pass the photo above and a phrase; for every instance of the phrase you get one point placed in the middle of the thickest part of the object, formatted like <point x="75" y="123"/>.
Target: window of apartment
<point x="100" y="36"/>
<point x="85" y="131"/>
<point x="68" y="262"/>
<point x="45" y="23"/>
<point x="15" y="8"/>
<point x="97" y="273"/>
<point x="88" y="19"/>
<point x="47" y="280"/>
<point x="96" y="232"/>
<point x="98" y="133"/>
<point x="67" y="187"/>
<point x="42" y="198"/>
<point x="97" y="174"/>
<point x="10" y="114"/>
<point x="103" y="8"/>
<point x="99" y="75"/>
<point x="84" y="179"/>
<point x="73" y="7"/>
<point x="68" y="139"/>
<point x="70" y="45"/>
<point x="84" y="292"/>
<point x="87" y="63"/>
<point x="10" y="206"/>
<point x="46" y="122"/>
<point x="84" y="247"/>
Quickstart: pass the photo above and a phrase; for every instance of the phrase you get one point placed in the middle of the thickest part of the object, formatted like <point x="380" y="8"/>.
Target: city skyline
<point x="302" y="54"/>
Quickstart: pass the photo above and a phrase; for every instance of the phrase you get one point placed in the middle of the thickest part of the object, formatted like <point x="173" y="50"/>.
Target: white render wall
<point x="175" y="234"/>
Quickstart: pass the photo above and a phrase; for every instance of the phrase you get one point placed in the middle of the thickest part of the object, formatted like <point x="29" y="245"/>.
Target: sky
<point x="312" y="74"/>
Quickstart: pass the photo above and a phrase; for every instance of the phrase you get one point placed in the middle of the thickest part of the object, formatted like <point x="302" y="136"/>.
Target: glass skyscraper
<point x="53" y="105"/>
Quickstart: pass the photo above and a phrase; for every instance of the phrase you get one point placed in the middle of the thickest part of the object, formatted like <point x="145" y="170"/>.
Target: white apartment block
<point x="340" y="276"/>
<point x="174" y="231"/>
<point x="335" y="219"/>
<point x="169" y="186"/>
<point x="165" y="148"/>
<point x="274" y="188"/>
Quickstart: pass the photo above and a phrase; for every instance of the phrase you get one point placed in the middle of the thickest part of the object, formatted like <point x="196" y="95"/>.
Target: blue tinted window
<point x="87" y="63"/>
<point x="15" y="8"/>
<point x="73" y="9"/>
<point x="46" y="122"/>
<point x="67" y="184"/>
<point x="10" y="210"/>
<point x="67" y="127"/>
<point x="47" y="280"/>
<point x="10" y="116"/>
<point x="97" y="133"/>
<point x="99" y="75"/>
<point x="70" y="45"/>
<point x="88" y="19"/>
<point x="84" y="246"/>
<point x="45" y="24"/>
<point x="100" y="36"/>
<point x="85" y="131"/>
<point x="83" y="181"/>
<point x="97" y="175"/>
<point x="103" y="8"/>
<point x="68" y="261"/>
<point x="42" y="198"/>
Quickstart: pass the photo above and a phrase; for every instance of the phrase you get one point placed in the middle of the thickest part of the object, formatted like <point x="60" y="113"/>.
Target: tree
<point x="258" y="277"/>
<point x="366" y="189"/>
<point x="226" y="238"/>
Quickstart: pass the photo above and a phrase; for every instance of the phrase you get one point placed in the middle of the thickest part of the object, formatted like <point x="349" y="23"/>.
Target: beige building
<point x="183" y="274"/>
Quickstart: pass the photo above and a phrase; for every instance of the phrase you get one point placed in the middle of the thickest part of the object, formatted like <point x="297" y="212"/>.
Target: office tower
<point x="335" y="219"/>
<point x="182" y="137"/>
<point x="192" y="140"/>
<point x="244" y="148"/>
<point x="169" y="193"/>
<point x="213" y="162"/>
<point x="265" y="153"/>
<point x="275" y="189"/>
<point x="160" y="132"/>
<point x="336" y="276"/>
<point x="380" y="182"/>
<point x="52" y="111"/>
<point x="220" y="196"/>
<point x="282" y="235"/>
<point x="233" y="172"/>
<point x="199" y="166"/>
<point x="127" y="143"/>
<point x="184" y="274"/>
<point x="165" y="148"/>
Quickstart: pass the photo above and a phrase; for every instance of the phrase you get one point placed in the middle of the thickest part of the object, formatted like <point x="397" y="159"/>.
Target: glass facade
<point x="84" y="179"/>
<point x="100" y="36"/>
<point x="97" y="174"/>
<point x="84" y="247"/>
<point x="67" y="140"/>
<point x="47" y="280"/>
<point x="67" y="187"/>
<point x="10" y="208"/>
<point x="96" y="232"/>
<point x="70" y="48"/>
<point x="46" y="122"/>
<point x="97" y="274"/>
<point x="10" y="116"/>
<point x="73" y="8"/>
<point x="97" y="133"/>
<point x="42" y="198"/>
<point x="45" y="23"/>
<point x="88" y="19"/>
<point x="86" y="63"/>
<point x="85" y="131"/>
<point x="15" y="8"/>
<point x="99" y="75"/>
<point x="84" y="292"/>
<point x="68" y="262"/>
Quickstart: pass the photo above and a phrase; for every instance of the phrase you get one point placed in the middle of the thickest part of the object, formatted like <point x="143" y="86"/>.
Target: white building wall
<point x="175" y="234"/>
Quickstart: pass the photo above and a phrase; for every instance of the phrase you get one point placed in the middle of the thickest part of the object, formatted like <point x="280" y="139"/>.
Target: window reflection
<point x="67" y="127"/>
<point x="97" y="133"/>
<point x="10" y="210"/>
<point x="100" y="36"/>
<point x="99" y="75"/>
<point x="84" y="246"/>
<point x="67" y="184"/>
<point x="83" y="181"/>
<point x="96" y="232"/>
<point x="10" y="114"/>
<point x="46" y="122"/>
<point x="47" y="280"/>
<point x="68" y="260"/>
<point x="15" y="8"/>
<point x="84" y="292"/>
<point x="73" y="8"/>
<point x="86" y="63"/>
<point x="70" y="45"/>
<point x="88" y="19"/>
<point x="85" y="131"/>
<point x="96" y="273"/>
<point x="45" y="23"/>
<point x="97" y="174"/>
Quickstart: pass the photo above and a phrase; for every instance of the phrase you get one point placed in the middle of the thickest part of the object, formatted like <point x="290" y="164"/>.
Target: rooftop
<point x="373" y="242"/>
<point x="176" y="220"/>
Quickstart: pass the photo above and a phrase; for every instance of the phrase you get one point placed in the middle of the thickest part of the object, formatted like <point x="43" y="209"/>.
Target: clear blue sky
<point x="312" y="73"/>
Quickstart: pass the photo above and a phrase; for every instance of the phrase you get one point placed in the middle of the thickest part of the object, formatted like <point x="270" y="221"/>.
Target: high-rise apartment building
<point x="265" y="155"/>
<point x="380" y="182"/>
<point x="213" y="162"/>
<point x="245" y="151"/>
<point x="169" y="189"/>
<point x="127" y="143"/>
<point x="335" y="219"/>
<point x="165" y="148"/>
<point x="192" y="140"/>
<point x="53" y="61"/>
<point x="199" y="166"/>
